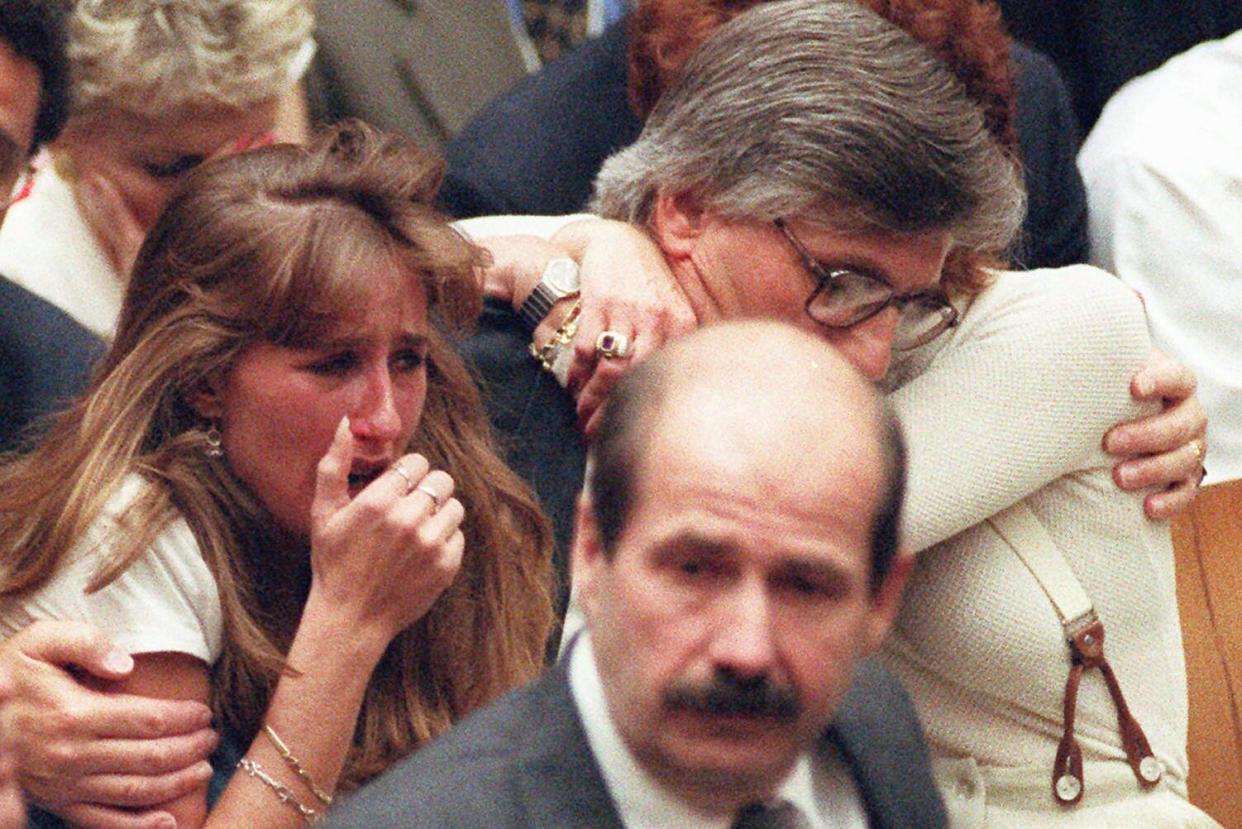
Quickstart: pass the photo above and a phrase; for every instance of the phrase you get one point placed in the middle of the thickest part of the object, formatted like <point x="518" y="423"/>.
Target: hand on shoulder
<point x="95" y="757"/>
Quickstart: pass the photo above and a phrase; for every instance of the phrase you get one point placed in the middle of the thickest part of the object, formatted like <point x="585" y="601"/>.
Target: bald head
<point x="757" y="401"/>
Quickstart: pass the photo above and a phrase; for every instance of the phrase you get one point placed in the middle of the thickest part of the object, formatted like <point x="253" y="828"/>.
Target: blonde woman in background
<point x="156" y="88"/>
<point x="279" y="494"/>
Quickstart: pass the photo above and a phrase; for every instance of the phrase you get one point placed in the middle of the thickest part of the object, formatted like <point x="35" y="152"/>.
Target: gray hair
<point x="150" y="57"/>
<point x="821" y="110"/>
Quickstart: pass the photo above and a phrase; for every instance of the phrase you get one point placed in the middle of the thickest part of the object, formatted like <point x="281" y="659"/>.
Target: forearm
<point x="521" y="247"/>
<point x="515" y="267"/>
<point x="314" y="713"/>
<point x="1017" y="398"/>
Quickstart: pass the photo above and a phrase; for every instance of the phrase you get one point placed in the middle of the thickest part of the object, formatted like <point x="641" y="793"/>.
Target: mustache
<point x="730" y="695"/>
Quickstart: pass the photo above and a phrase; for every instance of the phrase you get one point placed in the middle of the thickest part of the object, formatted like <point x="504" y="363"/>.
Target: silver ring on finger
<point x="612" y="345"/>
<point x="409" y="482"/>
<point x="436" y="499"/>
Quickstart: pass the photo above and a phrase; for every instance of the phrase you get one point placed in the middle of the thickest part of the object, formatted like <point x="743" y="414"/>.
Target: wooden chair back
<point x="1207" y="543"/>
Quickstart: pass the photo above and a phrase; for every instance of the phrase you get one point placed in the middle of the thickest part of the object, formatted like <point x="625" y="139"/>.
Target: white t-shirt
<point x="166" y="601"/>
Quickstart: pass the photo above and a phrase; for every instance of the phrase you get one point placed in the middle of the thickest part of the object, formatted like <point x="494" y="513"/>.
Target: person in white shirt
<point x="1163" y="170"/>
<point x="155" y="88"/>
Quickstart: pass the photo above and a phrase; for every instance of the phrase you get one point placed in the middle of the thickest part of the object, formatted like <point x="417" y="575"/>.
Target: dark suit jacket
<point x="45" y="360"/>
<point x="536" y="148"/>
<point x="1054" y="232"/>
<point x="524" y="761"/>
<point x="534" y="421"/>
<point x="1100" y="44"/>
<point x="420" y="67"/>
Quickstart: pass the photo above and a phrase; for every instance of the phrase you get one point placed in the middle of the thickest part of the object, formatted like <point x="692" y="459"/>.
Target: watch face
<point x="562" y="275"/>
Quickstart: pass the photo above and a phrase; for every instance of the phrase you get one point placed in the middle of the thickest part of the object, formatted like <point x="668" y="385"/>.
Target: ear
<point x="586" y="554"/>
<point x="886" y="600"/>
<point x="677" y="222"/>
<point x="206" y="399"/>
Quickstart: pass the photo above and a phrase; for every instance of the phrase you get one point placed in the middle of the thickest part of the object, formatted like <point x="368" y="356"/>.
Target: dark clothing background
<point x="1054" y="232"/>
<point x="45" y="361"/>
<point x="1100" y="44"/>
<point x="534" y="420"/>
<point x="537" y="147"/>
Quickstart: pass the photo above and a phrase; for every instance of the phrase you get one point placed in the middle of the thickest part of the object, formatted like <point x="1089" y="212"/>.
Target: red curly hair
<point x="966" y="34"/>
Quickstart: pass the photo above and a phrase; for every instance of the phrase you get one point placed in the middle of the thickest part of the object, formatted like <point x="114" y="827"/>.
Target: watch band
<point x="559" y="280"/>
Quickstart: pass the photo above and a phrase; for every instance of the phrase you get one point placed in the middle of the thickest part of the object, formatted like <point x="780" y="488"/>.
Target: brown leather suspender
<point x="1084" y="632"/>
<point x="1087" y="651"/>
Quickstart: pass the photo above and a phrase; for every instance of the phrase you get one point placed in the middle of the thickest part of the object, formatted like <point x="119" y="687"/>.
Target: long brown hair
<point x="256" y="248"/>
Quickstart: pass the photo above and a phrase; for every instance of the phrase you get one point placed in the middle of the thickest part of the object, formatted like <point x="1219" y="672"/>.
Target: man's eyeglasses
<point x="843" y="298"/>
<point x="15" y="171"/>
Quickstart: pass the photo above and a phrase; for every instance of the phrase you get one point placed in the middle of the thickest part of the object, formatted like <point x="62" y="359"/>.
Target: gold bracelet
<point x="283" y="792"/>
<point x="322" y="796"/>
<point x="562" y="338"/>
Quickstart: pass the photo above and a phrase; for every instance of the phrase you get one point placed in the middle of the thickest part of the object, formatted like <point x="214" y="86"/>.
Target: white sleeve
<point x="166" y="601"/>
<point x="544" y="226"/>
<point x="1019" y="396"/>
<point x="1169" y="227"/>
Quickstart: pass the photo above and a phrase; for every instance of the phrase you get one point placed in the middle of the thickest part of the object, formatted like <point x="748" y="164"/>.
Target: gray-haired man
<point x="801" y="136"/>
<point x="855" y="136"/>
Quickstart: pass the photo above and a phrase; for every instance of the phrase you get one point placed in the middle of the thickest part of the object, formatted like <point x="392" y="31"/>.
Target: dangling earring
<point x="214" y="447"/>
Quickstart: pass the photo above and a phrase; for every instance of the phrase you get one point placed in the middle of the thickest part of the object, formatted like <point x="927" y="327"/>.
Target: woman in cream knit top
<point x="1009" y="407"/>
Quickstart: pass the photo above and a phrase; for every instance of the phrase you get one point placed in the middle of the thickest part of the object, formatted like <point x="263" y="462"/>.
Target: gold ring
<point x="612" y="344"/>
<point x="409" y="482"/>
<point x="1196" y="446"/>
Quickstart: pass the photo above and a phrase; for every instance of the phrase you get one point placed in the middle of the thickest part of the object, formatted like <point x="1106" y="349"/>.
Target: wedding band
<point x="1196" y="446"/>
<point x="409" y="482"/>
<point x="610" y="344"/>
<point x="432" y="494"/>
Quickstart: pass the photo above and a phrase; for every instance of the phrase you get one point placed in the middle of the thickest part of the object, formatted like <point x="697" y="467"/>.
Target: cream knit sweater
<point x="1012" y="405"/>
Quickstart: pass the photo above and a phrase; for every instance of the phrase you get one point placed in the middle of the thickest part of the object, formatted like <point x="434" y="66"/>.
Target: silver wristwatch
<point x="559" y="280"/>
